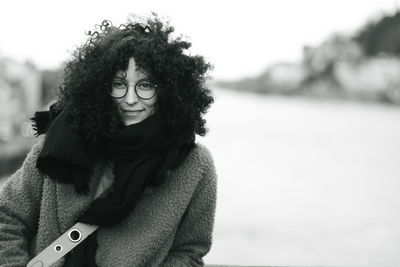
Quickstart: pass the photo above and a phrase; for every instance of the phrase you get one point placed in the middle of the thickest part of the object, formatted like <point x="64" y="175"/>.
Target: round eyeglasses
<point x="144" y="89"/>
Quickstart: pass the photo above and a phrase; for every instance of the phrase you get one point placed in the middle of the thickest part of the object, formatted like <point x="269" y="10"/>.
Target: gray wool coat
<point x="171" y="225"/>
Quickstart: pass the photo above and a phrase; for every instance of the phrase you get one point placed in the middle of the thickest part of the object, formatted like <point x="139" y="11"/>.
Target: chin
<point x="130" y="121"/>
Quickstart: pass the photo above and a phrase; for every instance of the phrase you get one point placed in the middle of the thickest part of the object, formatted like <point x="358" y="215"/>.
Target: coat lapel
<point x="70" y="204"/>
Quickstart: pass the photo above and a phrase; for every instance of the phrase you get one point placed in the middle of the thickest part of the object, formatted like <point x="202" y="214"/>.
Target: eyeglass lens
<point x="144" y="89"/>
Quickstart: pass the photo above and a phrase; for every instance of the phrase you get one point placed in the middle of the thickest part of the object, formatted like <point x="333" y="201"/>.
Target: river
<point x="304" y="181"/>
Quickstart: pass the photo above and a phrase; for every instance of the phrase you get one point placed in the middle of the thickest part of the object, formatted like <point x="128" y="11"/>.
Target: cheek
<point x="150" y="103"/>
<point x="118" y="102"/>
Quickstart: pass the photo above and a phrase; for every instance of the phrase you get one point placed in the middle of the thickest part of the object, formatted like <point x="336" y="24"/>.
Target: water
<point x="305" y="182"/>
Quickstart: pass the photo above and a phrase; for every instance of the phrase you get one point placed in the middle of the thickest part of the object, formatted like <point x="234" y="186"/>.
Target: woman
<point x="117" y="150"/>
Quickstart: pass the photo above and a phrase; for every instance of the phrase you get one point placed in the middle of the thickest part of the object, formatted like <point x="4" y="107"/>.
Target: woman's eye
<point x="146" y="85"/>
<point x="118" y="84"/>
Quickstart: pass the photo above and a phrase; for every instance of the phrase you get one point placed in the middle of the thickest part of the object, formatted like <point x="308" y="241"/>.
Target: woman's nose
<point x="131" y="97"/>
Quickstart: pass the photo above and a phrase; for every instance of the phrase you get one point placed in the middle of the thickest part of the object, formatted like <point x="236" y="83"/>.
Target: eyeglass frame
<point x="127" y="85"/>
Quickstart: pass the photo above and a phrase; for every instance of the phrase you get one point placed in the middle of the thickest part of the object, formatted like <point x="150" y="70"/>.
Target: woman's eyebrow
<point x="140" y="76"/>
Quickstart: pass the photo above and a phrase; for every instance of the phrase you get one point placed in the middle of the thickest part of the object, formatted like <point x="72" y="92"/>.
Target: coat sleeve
<point x="194" y="235"/>
<point x="19" y="211"/>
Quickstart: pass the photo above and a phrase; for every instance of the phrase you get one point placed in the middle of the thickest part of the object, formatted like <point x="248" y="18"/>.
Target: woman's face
<point x="132" y="108"/>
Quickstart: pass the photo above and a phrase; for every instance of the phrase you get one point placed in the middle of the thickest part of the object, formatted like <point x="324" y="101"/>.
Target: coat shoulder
<point x="203" y="155"/>
<point x="201" y="160"/>
<point x="29" y="164"/>
<point x="36" y="148"/>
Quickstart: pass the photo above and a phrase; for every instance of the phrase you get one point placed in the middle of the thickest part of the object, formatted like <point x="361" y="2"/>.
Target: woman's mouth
<point x="131" y="112"/>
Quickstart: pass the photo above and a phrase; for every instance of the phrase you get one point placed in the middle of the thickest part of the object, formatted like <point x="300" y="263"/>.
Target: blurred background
<point x="305" y="128"/>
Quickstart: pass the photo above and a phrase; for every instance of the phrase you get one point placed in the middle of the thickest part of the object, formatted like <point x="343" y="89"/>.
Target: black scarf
<point x="141" y="153"/>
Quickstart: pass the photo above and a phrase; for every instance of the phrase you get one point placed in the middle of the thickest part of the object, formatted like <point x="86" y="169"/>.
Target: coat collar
<point x="70" y="204"/>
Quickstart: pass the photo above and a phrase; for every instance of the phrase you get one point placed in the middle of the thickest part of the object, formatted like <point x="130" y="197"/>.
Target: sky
<point x="240" y="38"/>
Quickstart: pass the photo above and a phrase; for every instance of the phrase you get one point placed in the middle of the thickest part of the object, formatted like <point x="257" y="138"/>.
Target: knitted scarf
<point x="141" y="153"/>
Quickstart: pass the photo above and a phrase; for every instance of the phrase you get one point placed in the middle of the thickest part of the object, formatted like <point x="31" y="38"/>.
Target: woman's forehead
<point x="130" y="74"/>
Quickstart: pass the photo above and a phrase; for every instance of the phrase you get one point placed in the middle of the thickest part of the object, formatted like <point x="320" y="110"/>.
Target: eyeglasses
<point x="144" y="89"/>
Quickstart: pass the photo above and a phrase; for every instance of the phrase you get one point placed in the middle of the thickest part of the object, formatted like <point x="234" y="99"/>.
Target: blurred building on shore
<point x="364" y="65"/>
<point x="337" y="68"/>
<point x="376" y="77"/>
<point x="283" y="78"/>
<point x="20" y="89"/>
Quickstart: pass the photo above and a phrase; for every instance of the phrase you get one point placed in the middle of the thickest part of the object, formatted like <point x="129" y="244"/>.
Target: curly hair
<point x="182" y="94"/>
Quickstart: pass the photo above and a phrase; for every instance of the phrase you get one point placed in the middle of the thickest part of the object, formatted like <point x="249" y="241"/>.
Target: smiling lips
<point x="131" y="112"/>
